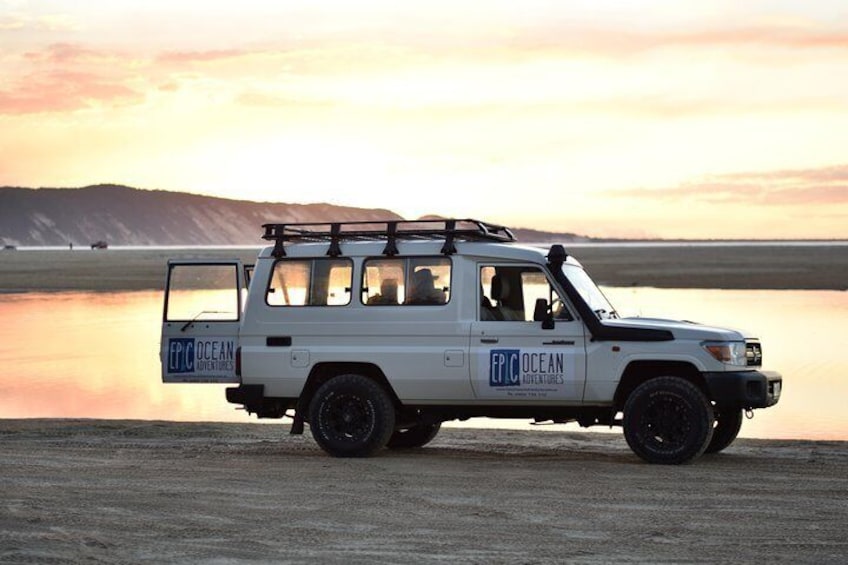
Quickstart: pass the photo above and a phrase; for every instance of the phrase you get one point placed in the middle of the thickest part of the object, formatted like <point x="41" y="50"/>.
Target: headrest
<point x="500" y="288"/>
<point x="389" y="288"/>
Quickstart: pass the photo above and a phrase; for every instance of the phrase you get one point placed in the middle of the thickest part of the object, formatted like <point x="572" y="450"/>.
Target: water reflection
<point x="94" y="355"/>
<point x="803" y="337"/>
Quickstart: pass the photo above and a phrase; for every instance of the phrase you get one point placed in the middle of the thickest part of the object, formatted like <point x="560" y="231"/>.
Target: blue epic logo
<point x="505" y="367"/>
<point x="181" y="355"/>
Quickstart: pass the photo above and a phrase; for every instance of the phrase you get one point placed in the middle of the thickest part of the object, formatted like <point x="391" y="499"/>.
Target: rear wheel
<point x="416" y="436"/>
<point x="727" y="426"/>
<point x="351" y="416"/>
<point x="668" y="420"/>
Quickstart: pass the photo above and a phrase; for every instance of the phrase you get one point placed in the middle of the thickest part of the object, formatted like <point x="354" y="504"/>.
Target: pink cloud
<point x="200" y="56"/>
<point x="786" y="37"/>
<point x="822" y="186"/>
<point x="825" y="174"/>
<point x="58" y="91"/>
<point x="63" y="53"/>
<point x="67" y="77"/>
<point x="607" y="42"/>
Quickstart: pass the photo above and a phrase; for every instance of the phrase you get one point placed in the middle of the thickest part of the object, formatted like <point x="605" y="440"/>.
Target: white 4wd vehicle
<point x="376" y="333"/>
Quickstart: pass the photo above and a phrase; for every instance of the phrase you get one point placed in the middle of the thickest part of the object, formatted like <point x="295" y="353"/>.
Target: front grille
<point x="754" y="354"/>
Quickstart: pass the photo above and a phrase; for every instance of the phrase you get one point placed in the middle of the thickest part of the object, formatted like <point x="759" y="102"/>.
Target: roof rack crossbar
<point x="447" y="230"/>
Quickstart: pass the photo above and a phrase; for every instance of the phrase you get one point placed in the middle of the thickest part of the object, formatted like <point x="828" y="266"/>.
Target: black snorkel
<point x="557" y="256"/>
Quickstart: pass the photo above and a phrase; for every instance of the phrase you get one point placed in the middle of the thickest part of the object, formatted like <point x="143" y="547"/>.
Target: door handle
<point x="558" y="342"/>
<point x="278" y="341"/>
<point x="488" y="340"/>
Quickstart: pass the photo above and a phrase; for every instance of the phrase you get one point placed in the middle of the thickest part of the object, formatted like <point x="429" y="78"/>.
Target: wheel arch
<point x="323" y="372"/>
<point x="638" y="372"/>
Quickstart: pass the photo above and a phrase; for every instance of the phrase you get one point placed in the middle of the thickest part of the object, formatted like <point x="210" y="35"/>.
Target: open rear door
<point x="200" y="326"/>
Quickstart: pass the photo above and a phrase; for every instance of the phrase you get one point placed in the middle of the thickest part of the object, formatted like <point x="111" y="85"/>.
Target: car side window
<point x="429" y="282"/>
<point x="406" y="281"/>
<point x="310" y="282"/>
<point x="202" y="292"/>
<point x="384" y="282"/>
<point x="510" y="294"/>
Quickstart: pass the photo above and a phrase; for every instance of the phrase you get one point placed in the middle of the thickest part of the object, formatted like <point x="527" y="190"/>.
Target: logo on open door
<point x="181" y="355"/>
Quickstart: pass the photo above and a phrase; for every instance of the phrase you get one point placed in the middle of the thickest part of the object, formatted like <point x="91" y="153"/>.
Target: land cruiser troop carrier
<point x="374" y="333"/>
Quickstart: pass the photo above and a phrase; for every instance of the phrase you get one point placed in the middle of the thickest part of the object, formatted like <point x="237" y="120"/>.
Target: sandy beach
<point x="135" y="491"/>
<point x="814" y="267"/>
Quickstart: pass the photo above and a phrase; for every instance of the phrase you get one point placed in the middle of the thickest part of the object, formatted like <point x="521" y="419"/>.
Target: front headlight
<point x="728" y="352"/>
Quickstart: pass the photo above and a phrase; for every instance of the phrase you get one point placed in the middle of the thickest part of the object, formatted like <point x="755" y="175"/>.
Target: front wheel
<point x="668" y="420"/>
<point x="351" y="416"/>
<point x="416" y="436"/>
<point x="727" y="426"/>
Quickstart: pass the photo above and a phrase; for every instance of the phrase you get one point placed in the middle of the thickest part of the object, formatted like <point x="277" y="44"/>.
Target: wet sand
<point x="815" y="267"/>
<point x="160" y="492"/>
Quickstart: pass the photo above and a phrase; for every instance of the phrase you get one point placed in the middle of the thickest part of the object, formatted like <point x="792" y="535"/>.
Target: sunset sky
<point x="713" y="119"/>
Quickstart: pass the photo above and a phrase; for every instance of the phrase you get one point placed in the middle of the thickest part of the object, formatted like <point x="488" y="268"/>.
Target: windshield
<point x="589" y="291"/>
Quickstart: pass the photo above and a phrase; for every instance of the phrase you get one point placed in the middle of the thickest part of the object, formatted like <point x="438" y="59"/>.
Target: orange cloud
<point x="12" y="22"/>
<point x="50" y="22"/>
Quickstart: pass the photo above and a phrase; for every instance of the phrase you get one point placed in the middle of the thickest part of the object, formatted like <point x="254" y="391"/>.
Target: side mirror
<point x="541" y="313"/>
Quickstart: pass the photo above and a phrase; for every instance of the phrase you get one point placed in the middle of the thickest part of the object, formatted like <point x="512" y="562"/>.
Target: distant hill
<point x="121" y="215"/>
<point x="526" y="235"/>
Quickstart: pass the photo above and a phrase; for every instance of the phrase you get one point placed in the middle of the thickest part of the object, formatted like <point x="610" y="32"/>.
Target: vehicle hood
<point x="680" y="329"/>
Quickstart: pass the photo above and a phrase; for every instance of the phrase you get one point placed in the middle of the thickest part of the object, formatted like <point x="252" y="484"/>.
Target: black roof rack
<point x="449" y="230"/>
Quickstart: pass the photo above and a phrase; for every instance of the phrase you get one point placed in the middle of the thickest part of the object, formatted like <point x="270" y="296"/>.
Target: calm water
<point x="95" y="355"/>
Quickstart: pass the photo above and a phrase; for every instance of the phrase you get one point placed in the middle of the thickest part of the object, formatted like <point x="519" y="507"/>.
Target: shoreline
<point x="771" y="267"/>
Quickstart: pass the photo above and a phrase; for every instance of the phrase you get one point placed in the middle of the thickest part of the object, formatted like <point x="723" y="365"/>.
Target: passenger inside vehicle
<point x="423" y="289"/>
<point x="388" y="294"/>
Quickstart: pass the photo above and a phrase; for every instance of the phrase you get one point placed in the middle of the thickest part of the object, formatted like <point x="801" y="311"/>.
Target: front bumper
<point x="744" y="389"/>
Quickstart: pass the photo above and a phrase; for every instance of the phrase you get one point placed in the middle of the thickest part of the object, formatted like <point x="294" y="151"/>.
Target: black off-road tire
<point x="727" y="426"/>
<point x="668" y="420"/>
<point x="351" y="416"/>
<point x="416" y="436"/>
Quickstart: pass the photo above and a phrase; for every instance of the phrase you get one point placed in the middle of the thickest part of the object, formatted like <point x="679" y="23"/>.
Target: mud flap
<point x="297" y="425"/>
